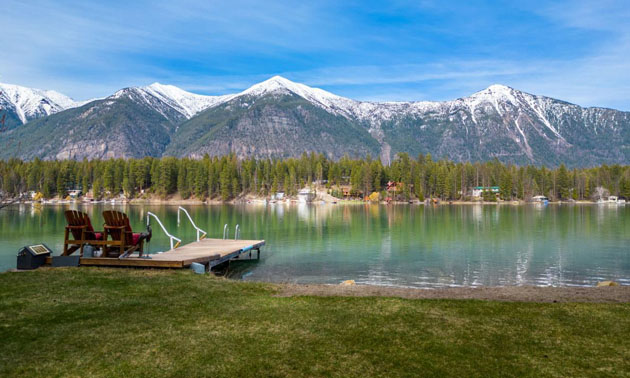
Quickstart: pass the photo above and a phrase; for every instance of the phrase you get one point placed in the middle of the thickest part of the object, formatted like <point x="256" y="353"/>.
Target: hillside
<point x="116" y="127"/>
<point x="20" y="104"/>
<point x="270" y="125"/>
<point x="280" y="118"/>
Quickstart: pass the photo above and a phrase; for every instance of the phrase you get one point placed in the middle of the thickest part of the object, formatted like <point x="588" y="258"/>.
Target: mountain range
<point x="280" y="118"/>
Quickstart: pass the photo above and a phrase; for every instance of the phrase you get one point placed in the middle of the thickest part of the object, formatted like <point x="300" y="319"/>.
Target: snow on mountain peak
<point x="279" y="84"/>
<point x="32" y="103"/>
<point x="497" y="94"/>
<point x="29" y="103"/>
<point x="499" y="88"/>
<point x="495" y="91"/>
<point x="186" y="103"/>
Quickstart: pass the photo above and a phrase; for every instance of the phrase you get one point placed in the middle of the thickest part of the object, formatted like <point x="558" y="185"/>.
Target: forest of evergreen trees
<point x="228" y="177"/>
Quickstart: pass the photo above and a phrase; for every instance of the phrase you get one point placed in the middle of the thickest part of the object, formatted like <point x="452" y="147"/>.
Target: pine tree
<point x="128" y="185"/>
<point x="624" y="187"/>
<point x="201" y="180"/>
<point x="182" y="180"/>
<point x="61" y="183"/>
<point x="417" y="187"/>
<point x="562" y="183"/>
<point x="96" y="188"/>
<point x="506" y="185"/>
<point x="225" y="181"/>
<point x="108" y="176"/>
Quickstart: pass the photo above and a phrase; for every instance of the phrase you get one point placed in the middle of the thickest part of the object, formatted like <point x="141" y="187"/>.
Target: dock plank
<point x="203" y="251"/>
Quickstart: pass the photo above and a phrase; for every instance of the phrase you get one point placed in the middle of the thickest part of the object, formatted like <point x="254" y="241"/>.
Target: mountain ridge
<point x="22" y="104"/>
<point x="281" y="118"/>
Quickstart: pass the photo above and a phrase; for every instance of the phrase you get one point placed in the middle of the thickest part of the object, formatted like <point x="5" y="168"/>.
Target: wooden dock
<point x="210" y="252"/>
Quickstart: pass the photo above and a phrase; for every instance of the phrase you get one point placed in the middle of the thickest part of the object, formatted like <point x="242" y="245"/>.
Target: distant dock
<point x="210" y="252"/>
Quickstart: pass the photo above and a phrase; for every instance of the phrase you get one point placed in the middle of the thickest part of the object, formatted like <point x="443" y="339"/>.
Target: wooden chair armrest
<point x="76" y="227"/>
<point x="114" y="227"/>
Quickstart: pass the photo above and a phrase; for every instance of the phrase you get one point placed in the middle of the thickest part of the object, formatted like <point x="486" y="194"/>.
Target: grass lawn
<point x="115" y="322"/>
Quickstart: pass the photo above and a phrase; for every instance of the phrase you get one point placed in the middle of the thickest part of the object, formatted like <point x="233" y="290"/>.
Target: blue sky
<point x="577" y="51"/>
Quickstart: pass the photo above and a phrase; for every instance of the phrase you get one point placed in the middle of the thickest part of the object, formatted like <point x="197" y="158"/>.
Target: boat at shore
<point x="540" y="200"/>
<point x="615" y="200"/>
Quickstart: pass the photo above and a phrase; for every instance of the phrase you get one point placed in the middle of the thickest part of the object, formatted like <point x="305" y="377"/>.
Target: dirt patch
<point x="615" y="294"/>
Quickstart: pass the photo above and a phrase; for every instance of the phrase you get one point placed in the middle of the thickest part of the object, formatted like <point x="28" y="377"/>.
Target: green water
<point x="407" y="245"/>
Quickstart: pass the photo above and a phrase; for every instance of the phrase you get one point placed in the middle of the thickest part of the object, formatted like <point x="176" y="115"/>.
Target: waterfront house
<point x="74" y="193"/>
<point x="540" y="199"/>
<point x="306" y="195"/>
<point x="477" y="192"/>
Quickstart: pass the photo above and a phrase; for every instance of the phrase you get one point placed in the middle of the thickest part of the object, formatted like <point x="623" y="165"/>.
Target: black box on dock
<point x="32" y="256"/>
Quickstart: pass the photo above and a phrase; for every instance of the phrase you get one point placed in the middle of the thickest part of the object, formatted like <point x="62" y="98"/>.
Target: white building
<point x="306" y="195"/>
<point x="74" y="193"/>
<point x="478" y="190"/>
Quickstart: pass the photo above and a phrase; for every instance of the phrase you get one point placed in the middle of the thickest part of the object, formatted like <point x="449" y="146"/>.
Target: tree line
<point x="228" y="177"/>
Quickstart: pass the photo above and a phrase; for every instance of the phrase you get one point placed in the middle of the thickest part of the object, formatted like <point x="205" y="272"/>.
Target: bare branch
<point x="6" y="201"/>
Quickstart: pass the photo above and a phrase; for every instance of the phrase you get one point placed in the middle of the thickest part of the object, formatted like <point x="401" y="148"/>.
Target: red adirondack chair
<point x="80" y="226"/>
<point x="123" y="241"/>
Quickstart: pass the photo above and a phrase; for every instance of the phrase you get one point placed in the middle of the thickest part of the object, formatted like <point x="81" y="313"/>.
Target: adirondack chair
<point x="80" y="226"/>
<point x="123" y="241"/>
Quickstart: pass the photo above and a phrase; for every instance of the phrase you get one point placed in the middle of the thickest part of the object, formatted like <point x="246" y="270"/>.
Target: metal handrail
<point x="171" y="237"/>
<point x="237" y="232"/>
<point x="226" y="232"/>
<point x="199" y="230"/>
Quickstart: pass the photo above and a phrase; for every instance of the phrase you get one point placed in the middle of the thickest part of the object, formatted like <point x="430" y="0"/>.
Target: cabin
<point x="477" y="192"/>
<point x="74" y="193"/>
<point x="393" y="186"/>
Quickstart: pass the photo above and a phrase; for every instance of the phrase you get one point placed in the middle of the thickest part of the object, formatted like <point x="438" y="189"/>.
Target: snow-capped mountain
<point x="280" y="85"/>
<point x="281" y="118"/>
<point x="497" y="122"/>
<point x="24" y="104"/>
<point x="186" y="103"/>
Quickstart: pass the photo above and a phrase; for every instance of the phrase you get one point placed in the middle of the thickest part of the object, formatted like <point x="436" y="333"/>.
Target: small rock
<point x="607" y="283"/>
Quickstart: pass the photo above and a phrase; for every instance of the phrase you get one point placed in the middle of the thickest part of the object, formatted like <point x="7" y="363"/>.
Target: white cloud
<point x="89" y="49"/>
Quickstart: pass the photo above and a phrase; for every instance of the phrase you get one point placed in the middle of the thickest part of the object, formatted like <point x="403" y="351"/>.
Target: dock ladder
<point x="171" y="237"/>
<point x="200" y="233"/>
<point x="226" y="232"/>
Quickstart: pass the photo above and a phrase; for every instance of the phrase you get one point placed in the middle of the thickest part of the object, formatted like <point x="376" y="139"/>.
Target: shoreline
<point x="535" y="294"/>
<point x="525" y="293"/>
<point x="264" y="201"/>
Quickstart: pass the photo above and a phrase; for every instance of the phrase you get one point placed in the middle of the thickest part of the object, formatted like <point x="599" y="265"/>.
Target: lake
<point x="398" y="245"/>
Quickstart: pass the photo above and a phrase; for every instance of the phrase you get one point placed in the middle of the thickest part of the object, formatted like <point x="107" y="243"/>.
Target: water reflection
<point x="420" y="246"/>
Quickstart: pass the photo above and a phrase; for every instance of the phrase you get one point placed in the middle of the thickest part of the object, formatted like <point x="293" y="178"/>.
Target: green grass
<point x="108" y="322"/>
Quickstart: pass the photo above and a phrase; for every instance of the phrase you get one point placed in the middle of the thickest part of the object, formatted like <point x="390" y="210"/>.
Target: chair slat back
<point x="118" y="219"/>
<point x="78" y="218"/>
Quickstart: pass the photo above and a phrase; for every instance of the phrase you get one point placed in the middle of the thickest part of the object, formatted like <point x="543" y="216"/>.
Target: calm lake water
<point x="406" y="245"/>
